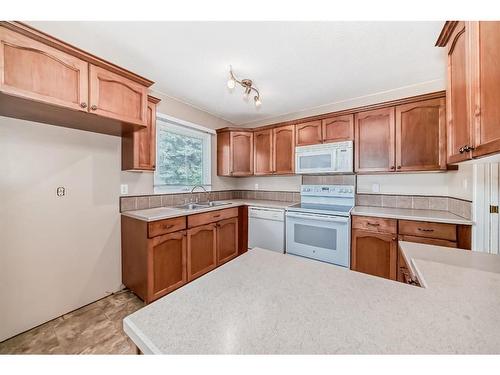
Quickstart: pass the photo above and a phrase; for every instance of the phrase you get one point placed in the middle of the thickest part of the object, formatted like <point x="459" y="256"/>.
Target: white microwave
<point x="334" y="157"/>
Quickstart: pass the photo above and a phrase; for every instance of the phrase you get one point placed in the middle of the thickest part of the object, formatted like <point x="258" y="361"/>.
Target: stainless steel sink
<point x="191" y="206"/>
<point x="215" y="204"/>
<point x="199" y="206"/>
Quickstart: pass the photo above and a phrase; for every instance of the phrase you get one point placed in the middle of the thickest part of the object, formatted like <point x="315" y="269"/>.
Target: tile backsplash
<point x="456" y="206"/>
<point x="152" y="201"/>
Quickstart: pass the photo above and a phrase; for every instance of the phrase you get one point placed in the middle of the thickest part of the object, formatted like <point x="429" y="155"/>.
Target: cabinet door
<point x="117" y="97"/>
<point x="374" y="138"/>
<point x="33" y="70"/>
<point x="485" y="90"/>
<point x="241" y="149"/>
<point x="146" y="139"/>
<point x="227" y="240"/>
<point x="263" y="152"/>
<point x="374" y="253"/>
<point x="139" y="147"/>
<point x="459" y="132"/>
<point x="284" y="149"/>
<point x="338" y="128"/>
<point x="167" y="264"/>
<point x="421" y="136"/>
<point x="201" y="250"/>
<point x="308" y="133"/>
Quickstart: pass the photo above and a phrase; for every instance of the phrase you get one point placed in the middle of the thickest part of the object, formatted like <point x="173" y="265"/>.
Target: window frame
<point x="189" y="129"/>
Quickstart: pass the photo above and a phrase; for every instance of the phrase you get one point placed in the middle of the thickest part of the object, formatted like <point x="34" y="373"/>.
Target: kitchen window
<point x="183" y="155"/>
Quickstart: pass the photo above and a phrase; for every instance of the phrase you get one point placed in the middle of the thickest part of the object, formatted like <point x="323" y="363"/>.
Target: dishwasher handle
<point x="332" y="219"/>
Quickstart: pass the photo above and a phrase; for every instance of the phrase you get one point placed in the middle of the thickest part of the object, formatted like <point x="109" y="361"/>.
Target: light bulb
<point x="257" y="101"/>
<point x="231" y="83"/>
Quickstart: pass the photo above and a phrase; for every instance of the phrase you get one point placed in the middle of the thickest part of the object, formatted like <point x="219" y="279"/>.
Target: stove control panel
<point x="327" y="190"/>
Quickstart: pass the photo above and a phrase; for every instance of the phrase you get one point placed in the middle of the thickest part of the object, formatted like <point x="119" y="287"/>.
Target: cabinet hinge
<point x="493" y="209"/>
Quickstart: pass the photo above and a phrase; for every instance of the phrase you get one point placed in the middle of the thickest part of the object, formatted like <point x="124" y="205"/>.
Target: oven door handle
<point x="334" y="219"/>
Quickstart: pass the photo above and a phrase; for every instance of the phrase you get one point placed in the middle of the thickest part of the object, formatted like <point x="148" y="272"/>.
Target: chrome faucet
<point x="205" y="190"/>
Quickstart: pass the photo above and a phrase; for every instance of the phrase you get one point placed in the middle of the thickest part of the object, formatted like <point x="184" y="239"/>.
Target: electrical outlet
<point x="256" y="186"/>
<point x="61" y="191"/>
<point x="123" y="189"/>
<point x="375" y="188"/>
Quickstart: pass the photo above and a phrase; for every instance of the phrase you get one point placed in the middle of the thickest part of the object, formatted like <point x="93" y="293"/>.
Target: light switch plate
<point x="375" y="188"/>
<point x="123" y="189"/>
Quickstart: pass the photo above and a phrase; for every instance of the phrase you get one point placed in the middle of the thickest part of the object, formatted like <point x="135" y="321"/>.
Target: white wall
<point x="275" y="183"/>
<point x="142" y="182"/>
<point x="456" y="184"/>
<point x="378" y="97"/>
<point x="56" y="254"/>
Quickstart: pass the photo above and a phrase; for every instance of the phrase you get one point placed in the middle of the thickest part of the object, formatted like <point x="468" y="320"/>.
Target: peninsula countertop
<point x="160" y="213"/>
<point x="434" y="216"/>
<point x="269" y="303"/>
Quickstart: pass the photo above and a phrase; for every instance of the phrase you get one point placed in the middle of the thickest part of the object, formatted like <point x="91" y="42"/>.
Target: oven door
<point x="314" y="160"/>
<point x="317" y="236"/>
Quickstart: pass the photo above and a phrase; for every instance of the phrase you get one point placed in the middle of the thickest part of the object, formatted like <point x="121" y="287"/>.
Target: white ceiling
<point x="295" y="65"/>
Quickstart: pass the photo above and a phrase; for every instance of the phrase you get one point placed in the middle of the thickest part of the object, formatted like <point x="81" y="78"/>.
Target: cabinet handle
<point x="93" y="107"/>
<point x="469" y="148"/>
<point x="425" y="230"/>
<point x="167" y="226"/>
<point x="399" y="167"/>
<point x="461" y="150"/>
<point x="83" y="105"/>
<point x="393" y="167"/>
<point x="373" y="224"/>
<point x="217" y="215"/>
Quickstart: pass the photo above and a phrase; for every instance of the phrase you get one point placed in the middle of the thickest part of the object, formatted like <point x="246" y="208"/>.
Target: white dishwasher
<point x="266" y="228"/>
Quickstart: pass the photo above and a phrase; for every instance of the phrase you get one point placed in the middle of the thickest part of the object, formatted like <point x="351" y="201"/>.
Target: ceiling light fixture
<point x="247" y="84"/>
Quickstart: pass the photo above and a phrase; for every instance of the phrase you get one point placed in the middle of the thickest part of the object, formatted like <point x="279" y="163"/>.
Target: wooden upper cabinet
<point x="459" y="132"/>
<point x="308" y="133"/>
<point x="375" y="143"/>
<point x="241" y="150"/>
<point x="168" y="262"/>
<point x="284" y="149"/>
<point x="227" y="240"/>
<point x="117" y="97"/>
<point x="263" y="152"/>
<point x="338" y="128"/>
<point x="139" y="147"/>
<point x="36" y="71"/>
<point x="374" y="253"/>
<point x="485" y="85"/>
<point x="421" y="136"/>
<point x="201" y="250"/>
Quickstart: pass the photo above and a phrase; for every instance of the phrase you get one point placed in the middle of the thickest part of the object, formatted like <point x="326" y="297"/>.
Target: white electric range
<point x="319" y="227"/>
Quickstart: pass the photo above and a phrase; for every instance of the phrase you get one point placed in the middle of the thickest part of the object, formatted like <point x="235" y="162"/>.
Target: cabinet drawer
<point x="157" y="228"/>
<point x="428" y="241"/>
<point x="374" y="224"/>
<point x="211" y="217"/>
<point x="429" y="230"/>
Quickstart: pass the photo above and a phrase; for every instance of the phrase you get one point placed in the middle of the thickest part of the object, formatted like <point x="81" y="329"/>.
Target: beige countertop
<point x="160" y="213"/>
<point x="410" y="214"/>
<point x="269" y="303"/>
<point x="415" y="253"/>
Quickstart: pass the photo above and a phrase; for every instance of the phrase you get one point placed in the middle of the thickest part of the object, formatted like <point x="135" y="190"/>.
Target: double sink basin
<point x="200" y="206"/>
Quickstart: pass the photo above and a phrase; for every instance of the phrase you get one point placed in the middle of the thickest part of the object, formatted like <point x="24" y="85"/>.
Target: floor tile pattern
<point x="92" y="329"/>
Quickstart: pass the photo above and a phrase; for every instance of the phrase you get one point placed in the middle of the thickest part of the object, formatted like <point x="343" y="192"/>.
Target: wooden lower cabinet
<point x="201" y="250"/>
<point x="227" y="240"/>
<point x="374" y="253"/>
<point x="168" y="264"/>
<point x="374" y="245"/>
<point x="159" y="257"/>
